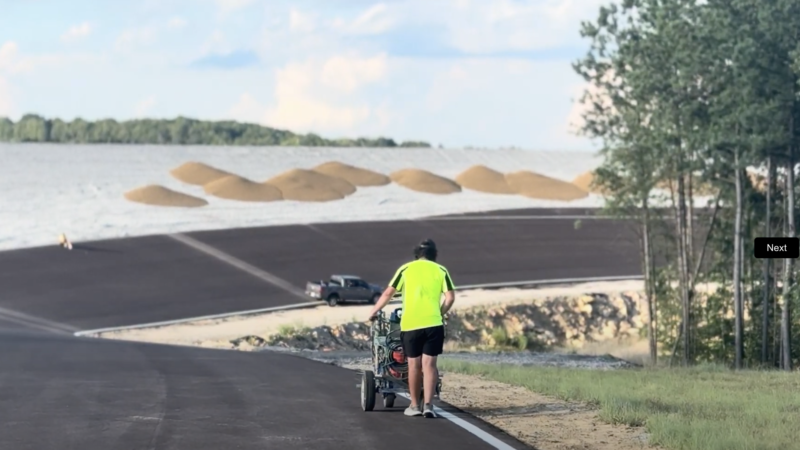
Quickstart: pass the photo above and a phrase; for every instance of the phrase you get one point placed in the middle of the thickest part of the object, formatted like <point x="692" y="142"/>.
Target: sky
<point x="481" y="73"/>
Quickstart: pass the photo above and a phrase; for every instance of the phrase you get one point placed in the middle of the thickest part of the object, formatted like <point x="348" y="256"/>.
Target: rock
<point x="553" y="321"/>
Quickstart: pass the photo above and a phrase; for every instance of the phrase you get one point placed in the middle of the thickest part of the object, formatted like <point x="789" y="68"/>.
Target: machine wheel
<point x="388" y="401"/>
<point x="368" y="390"/>
<point x="375" y="298"/>
<point x="333" y="300"/>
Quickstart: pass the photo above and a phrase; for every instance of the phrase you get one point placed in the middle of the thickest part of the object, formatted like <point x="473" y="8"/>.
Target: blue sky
<point x="486" y="73"/>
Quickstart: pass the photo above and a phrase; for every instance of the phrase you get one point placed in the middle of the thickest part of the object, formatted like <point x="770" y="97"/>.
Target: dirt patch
<point x="542" y="187"/>
<point x="156" y="195"/>
<point x="311" y="186"/>
<point x="233" y="187"/>
<point x="424" y="181"/>
<point x="197" y="173"/>
<point x="353" y="175"/>
<point x="483" y="179"/>
<point x="543" y="422"/>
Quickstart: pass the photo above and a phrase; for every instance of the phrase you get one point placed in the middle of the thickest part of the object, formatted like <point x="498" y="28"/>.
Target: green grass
<point x="701" y="408"/>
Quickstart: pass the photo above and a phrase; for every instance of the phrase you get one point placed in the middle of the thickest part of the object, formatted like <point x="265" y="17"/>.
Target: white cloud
<point x="6" y="103"/>
<point x="581" y="105"/>
<point x="320" y="96"/>
<point x="13" y="62"/>
<point x="349" y="73"/>
<point x="216" y="43"/>
<point x="77" y="32"/>
<point x="232" y="5"/>
<point x="135" y="36"/>
<point x="176" y="23"/>
<point x="143" y="107"/>
<point x="489" y="25"/>
<point x="301" y="22"/>
<point x="483" y="102"/>
<point x="247" y="109"/>
<point x="448" y="86"/>
<point x="8" y="55"/>
<point x="376" y="19"/>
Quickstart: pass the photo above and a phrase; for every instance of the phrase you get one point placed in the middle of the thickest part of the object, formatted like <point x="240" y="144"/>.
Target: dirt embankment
<point x="553" y="322"/>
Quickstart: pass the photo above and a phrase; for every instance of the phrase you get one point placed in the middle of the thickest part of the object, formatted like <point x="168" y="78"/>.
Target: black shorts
<point x="429" y="341"/>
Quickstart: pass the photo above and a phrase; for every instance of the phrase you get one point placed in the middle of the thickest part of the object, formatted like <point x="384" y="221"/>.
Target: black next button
<point x="777" y="247"/>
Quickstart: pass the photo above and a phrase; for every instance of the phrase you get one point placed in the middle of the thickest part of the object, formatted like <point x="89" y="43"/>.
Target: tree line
<point x="178" y="131"/>
<point x="693" y="95"/>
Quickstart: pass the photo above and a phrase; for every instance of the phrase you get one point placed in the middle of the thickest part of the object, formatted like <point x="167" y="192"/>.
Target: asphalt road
<point x="61" y="393"/>
<point x="156" y="278"/>
<point x="58" y="391"/>
<point x="534" y="212"/>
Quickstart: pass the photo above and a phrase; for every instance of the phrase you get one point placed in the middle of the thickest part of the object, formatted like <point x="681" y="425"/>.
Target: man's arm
<point x="386" y="297"/>
<point x="449" y="293"/>
<point x="449" y="299"/>
<point x="394" y="285"/>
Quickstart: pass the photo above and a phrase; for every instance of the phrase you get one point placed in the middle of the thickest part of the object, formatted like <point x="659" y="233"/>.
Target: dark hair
<point x="426" y="249"/>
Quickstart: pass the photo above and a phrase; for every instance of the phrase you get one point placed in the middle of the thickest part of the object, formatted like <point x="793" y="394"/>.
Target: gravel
<point x="359" y="360"/>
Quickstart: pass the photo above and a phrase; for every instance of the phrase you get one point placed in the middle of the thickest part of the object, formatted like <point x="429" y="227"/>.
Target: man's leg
<point x="430" y="377"/>
<point x="415" y="379"/>
<point x="434" y="346"/>
<point x="413" y="342"/>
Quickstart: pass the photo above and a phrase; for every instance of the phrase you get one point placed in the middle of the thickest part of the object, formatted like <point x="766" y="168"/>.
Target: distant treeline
<point x="179" y="131"/>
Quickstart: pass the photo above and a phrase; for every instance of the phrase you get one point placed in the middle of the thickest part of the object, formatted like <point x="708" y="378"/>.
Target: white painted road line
<point x="470" y="428"/>
<point x="209" y="317"/>
<point x="239" y="264"/>
<point x="197" y="319"/>
<point x="565" y="217"/>
<point x="35" y="322"/>
<point x="549" y="282"/>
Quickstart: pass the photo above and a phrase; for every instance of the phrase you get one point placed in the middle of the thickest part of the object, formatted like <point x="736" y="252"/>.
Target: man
<point x="422" y="283"/>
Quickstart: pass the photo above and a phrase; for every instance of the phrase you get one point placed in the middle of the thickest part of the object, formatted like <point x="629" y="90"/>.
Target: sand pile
<point x="233" y="187"/>
<point x="353" y="175"/>
<point x="160" y="196"/>
<point x="584" y="181"/>
<point x="483" y="179"/>
<point x="538" y="186"/>
<point x="197" y="173"/>
<point x="424" y="181"/>
<point x="311" y="186"/>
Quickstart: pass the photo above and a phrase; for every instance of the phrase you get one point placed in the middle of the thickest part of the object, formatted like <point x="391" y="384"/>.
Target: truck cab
<point x="343" y="289"/>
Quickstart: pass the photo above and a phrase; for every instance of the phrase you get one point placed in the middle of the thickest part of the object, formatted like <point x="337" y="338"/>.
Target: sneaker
<point x="428" y="411"/>
<point x="413" y="411"/>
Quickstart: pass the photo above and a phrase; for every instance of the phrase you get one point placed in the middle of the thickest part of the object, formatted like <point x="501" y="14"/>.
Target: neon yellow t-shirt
<point x="422" y="283"/>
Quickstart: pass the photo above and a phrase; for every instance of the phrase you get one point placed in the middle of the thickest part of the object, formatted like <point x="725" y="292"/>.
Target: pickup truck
<point x="344" y="288"/>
